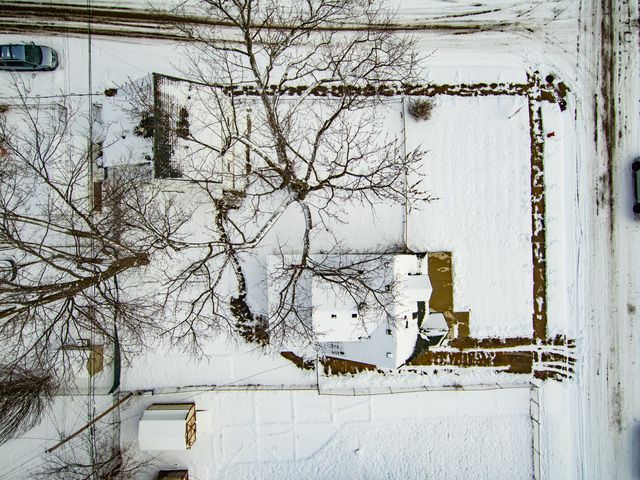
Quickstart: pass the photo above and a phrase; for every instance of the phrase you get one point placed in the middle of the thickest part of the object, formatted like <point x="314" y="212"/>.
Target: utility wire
<point x="59" y="95"/>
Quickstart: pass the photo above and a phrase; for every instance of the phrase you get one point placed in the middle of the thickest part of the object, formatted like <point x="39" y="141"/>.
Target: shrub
<point x="420" y="109"/>
<point x="182" y="125"/>
<point x="146" y="126"/>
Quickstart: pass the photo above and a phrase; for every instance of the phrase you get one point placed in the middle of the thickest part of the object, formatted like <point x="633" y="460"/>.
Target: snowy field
<point x="478" y="168"/>
<point x="302" y="435"/>
<point x="225" y="364"/>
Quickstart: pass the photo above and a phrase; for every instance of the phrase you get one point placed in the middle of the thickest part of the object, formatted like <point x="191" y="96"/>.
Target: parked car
<point x="27" y="58"/>
<point x="635" y="167"/>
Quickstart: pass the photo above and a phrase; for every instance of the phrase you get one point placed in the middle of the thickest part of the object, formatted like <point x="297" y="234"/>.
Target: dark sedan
<point x="27" y="58"/>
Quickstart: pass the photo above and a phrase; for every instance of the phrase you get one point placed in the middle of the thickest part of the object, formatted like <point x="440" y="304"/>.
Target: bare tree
<point x="100" y="462"/>
<point x="364" y="280"/>
<point x="25" y="394"/>
<point x="296" y="106"/>
<point x="73" y="263"/>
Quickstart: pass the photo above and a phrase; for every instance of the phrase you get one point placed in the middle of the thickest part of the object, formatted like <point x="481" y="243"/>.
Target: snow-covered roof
<point x="416" y="287"/>
<point x="360" y="329"/>
<point x="163" y="429"/>
<point x="412" y="286"/>
<point x="116" y="129"/>
<point x="376" y="339"/>
<point x="435" y="322"/>
<point x="196" y="124"/>
<point x="335" y="317"/>
<point x="434" y="328"/>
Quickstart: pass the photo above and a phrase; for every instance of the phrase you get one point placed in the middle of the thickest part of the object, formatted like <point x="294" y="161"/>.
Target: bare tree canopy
<point x="66" y="257"/>
<point x="99" y="461"/>
<point x="25" y="393"/>
<point x="293" y="110"/>
<point x="277" y="123"/>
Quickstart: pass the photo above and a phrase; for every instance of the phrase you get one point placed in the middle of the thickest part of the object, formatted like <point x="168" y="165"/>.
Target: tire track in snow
<point x="110" y="20"/>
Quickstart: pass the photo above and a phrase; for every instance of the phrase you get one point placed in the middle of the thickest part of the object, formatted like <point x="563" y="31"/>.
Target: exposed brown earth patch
<point x="506" y="361"/>
<point x="340" y="366"/>
<point x="441" y="276"/>
<point x="542" y="364"/>
<point x="465" y="343"/>
<point x="536" y="89"/>
<point x="299" y="361"/>
<point x="538" y="235"/>
<point x="460" y="324"/>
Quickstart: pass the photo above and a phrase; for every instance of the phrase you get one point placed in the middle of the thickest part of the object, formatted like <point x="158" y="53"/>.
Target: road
<point x="605" y="234"/>
<point x="135" y="20"/>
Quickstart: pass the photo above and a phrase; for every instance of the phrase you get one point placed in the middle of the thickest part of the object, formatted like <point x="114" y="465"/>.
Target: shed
<point x="170" y="426"/>
<point x="173" y="475"/>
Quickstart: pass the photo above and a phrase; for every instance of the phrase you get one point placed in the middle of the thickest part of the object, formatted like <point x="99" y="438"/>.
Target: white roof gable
<point x="416" y="288"/>
<point x="163" y="430"/>
<point x="435" y="322"/>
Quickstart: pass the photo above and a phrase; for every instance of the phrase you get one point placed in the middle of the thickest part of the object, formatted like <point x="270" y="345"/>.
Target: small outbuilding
<point x="172" y="475"/>
<point x="169" y="426"/>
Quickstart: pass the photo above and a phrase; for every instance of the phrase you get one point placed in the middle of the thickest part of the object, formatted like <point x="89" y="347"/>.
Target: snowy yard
<point x="478" y="168"/>
<point x="301" y="434"/>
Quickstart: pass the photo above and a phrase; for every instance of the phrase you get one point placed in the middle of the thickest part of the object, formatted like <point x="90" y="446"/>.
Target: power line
<point x="8" y="473"/>
<point x="91" y="423"/>
<point x="59" y="95"/>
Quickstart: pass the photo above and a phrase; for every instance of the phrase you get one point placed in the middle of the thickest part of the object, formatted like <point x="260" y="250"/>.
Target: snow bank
<point x="559" y="174"/>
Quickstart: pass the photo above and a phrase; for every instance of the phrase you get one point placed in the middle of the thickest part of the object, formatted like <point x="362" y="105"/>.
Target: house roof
<point x="116" y="130"/>
<point x="415" y="287"/>
<point x="336" y="317"/>
<point x="372" y="337"/>
<point x="163" y="430"/>
<point x="435" y="322"/>
<point x="369" y="335"/>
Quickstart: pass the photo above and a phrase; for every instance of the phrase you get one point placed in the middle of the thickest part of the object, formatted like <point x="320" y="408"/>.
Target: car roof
<point x="12" y="52"/>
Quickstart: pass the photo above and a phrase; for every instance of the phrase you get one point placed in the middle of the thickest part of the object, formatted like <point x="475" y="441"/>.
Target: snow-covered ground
<point x="478" y="168"/>
<point x="24" y="456"/>
<point x="252" y="434"/>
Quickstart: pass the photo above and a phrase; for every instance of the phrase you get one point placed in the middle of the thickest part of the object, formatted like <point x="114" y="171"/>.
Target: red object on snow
<point x="551" y="134"/>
